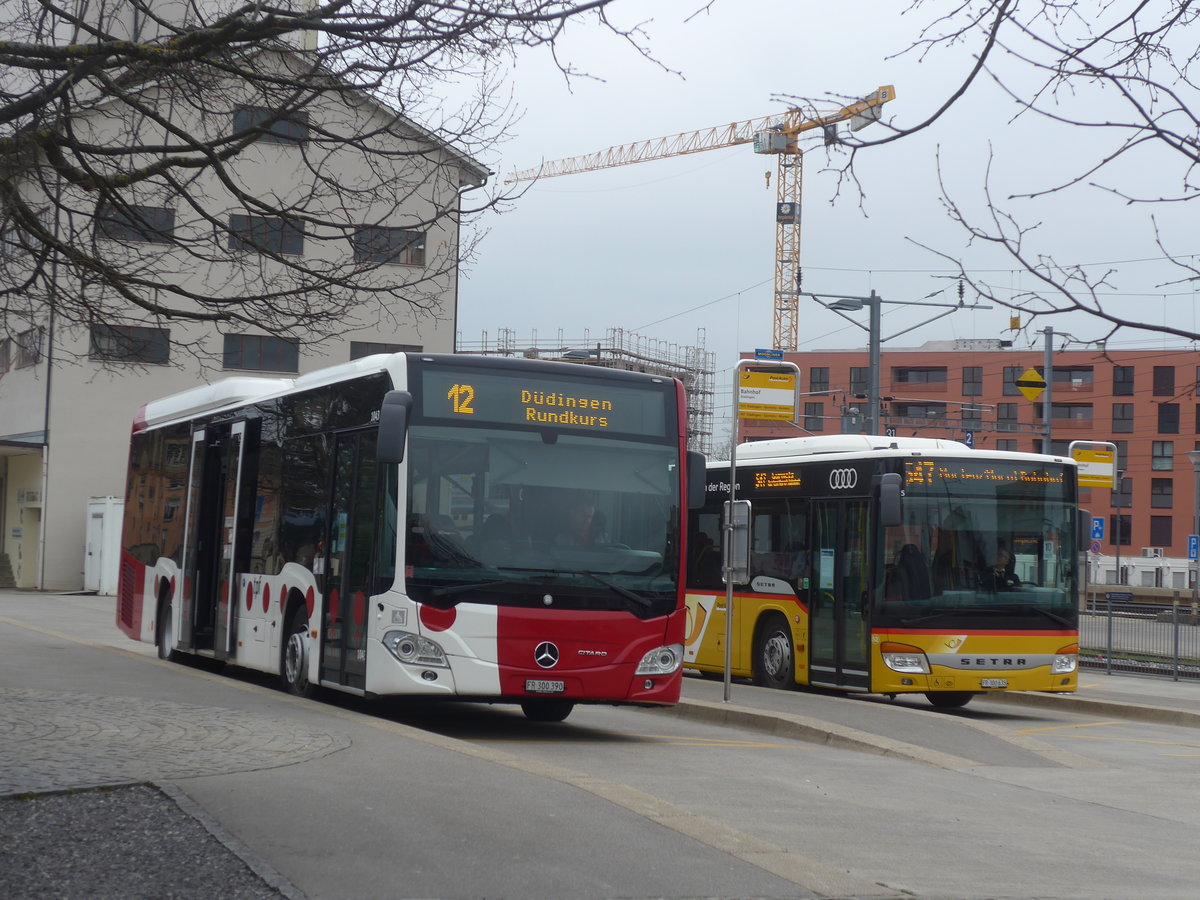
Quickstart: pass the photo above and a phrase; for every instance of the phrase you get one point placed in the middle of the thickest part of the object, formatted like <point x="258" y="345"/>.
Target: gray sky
<point x="681" y="250"/>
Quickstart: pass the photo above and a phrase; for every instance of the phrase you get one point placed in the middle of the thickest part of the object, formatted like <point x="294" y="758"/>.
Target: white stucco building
<point x="69" y="390"/>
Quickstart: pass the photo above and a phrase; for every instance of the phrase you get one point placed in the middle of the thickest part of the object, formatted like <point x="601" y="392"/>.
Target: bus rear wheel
<point x="293" y="664"/>
<point x="547" y="710"/>
<point x="164" y="632"/>
<point x="774" y="661"/>
<point x="949" y="699"/>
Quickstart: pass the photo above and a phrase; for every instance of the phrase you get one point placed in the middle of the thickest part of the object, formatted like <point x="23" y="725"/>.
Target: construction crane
<point x="777" y="135"/>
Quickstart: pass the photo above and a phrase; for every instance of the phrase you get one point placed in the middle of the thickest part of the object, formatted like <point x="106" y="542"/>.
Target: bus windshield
<point x="537" y="518"/>
<point x="981" y="544"/>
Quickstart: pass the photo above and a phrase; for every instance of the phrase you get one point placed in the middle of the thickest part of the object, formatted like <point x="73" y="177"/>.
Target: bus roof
<point x="785" y="449"/>
<point x="244" y="389"/>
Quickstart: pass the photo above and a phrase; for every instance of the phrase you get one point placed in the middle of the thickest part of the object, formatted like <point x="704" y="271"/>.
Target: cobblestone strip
<point x="56" y="741"/>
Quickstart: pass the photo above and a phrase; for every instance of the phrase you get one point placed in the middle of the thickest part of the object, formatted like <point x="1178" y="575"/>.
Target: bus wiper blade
<point x="447" y="590"/>
<point x="615" y="588"/>
<point x="624" y="592"/>
<point x="1055" y="617"/>
<point x="964" y="611"/>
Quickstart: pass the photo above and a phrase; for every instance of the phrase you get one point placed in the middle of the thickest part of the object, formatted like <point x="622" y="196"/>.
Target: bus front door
<point x="839" y="654"/>
<point x="350" y="564"/>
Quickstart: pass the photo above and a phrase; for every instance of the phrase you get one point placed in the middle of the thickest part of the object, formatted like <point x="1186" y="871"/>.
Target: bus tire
<point x="774" y="660"/>
<point x="164" y="631"/>
<point x="293" y="661"/>
<point x="949" y="699"/>
<point x="547" y="710"/>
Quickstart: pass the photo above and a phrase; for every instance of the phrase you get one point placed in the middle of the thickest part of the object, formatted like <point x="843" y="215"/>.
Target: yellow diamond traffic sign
<point x="1031" y="384"/>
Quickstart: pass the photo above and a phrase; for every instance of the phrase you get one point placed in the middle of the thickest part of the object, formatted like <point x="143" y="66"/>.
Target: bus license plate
<point x="545" y="687"/>
<point x="993" y="682"/>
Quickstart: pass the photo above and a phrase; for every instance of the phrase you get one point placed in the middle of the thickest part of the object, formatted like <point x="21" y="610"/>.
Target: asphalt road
<point x="778" y="794"/>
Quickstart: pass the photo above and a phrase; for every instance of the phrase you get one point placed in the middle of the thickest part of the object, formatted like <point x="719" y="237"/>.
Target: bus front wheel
<point x="293" y="666"/>
<point x="547" y="710"/>
<point x="949" y="699"/>
<point x="774" y="662"/>
<point x="165" y="632"/>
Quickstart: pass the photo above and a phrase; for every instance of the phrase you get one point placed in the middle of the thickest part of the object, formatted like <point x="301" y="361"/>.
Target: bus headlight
<point x="661" y="660"/>
<point x="415" y="650"/>
<point x="903" y="658"/>
<point x="1066" y="660"/>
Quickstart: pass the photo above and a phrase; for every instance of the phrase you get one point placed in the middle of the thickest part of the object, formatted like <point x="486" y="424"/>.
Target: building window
<point x="1011" y="374"/>
<point x="5" y="355"/>
<point x="860" y="381"/>
<point x="1122" y="495"/>
<point x="814" y="416"/>
<point x="287" y="128"/>
<point x="1164" y="381"/>
<point x="1161" y="494"/>
<point x="29" y="348"/>
<point x="1122" y="381"/>
<point x="400" y="246"/>
<point x="130" y="343"/>
<point x="1073" y="377"/>
<point x="919" y="375"/>
<point x="1120" y="526"/>
<point x="1122" y="418"/>
<point x="972" y="416"/>
<point x="1006" y="444"/>
<point x="265" y="234"/>
<point x="972" y="381"/>
<point x="1006" y="417"/>
<point x="1168" y="418"/>
<point x="1198" y="418"/>
<point x="1065" y="412"/>
<point x="919" y="410"/>
<point x="1160" y="531"/>
<point x="1163" y="456"/>
<point x="262" y="352"/>
<point x="149" y="224"/>
<point x="359" y="349"/>
<point x="818" y="378"/>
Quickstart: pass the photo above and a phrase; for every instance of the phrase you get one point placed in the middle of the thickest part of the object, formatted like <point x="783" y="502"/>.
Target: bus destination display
<point x="503" y="399"/>
<point x="965" y="474"/>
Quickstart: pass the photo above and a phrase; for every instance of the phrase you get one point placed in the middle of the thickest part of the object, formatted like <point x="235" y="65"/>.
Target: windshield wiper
<point x="615" y="588"/>
<point x="1053" y="616"/>
<point x="964" y="611"/>
<point x="447" y="590"/>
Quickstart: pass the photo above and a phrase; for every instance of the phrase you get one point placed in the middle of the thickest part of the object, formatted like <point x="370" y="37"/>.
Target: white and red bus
<point x="497" y="529"/>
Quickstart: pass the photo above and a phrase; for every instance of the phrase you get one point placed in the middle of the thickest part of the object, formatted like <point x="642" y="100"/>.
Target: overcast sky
<point x="681" y="250"/>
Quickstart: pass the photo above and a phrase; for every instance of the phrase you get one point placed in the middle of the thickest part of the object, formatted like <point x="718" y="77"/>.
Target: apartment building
<point x="1144" y="401"/>
<point x="69" y="391"/>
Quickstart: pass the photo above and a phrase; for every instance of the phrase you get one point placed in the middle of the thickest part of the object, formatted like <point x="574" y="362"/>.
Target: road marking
<point x="1064" y="727"/>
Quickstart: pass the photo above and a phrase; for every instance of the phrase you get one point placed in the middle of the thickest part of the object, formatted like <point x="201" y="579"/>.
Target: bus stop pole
<point x="728" y="526"/>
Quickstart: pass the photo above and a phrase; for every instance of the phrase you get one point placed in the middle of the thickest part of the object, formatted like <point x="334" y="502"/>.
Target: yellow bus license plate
<point x="993" y="682"/>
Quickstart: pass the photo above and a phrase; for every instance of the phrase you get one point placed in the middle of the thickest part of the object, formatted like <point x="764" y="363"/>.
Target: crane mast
<point x="777" y="135"/>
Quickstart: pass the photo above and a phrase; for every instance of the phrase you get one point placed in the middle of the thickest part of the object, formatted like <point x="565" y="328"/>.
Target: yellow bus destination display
<point x="783" y="479"/>
<point x="964" y="475"/>
<point x="595" y="405"/>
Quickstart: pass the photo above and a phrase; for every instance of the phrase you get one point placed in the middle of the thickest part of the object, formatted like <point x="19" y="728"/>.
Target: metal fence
<point x="1146" y="639"/>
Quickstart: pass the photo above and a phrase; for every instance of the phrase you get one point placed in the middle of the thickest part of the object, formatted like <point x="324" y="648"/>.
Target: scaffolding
<point x="620" y="349"/>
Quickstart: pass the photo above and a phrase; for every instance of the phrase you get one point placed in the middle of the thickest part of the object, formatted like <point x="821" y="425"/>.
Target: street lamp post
<point x="874" y="304"/>
<point x="1194" y="565"/>
<point x="1117" y="501"/>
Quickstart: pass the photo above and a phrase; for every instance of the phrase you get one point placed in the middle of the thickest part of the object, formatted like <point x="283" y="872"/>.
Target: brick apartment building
<point x="1145" y="401"/>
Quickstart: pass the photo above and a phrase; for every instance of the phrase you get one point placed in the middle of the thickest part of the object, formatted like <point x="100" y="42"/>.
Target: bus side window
<point x="704" y="551"/>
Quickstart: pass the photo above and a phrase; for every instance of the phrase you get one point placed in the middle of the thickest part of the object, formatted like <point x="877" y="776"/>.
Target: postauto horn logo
<point x="843" y="479"/>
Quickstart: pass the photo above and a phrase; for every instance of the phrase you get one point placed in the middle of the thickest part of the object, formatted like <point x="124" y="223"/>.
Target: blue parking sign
<point x="1193" y="546"/>
<point x="1097" y="528"/>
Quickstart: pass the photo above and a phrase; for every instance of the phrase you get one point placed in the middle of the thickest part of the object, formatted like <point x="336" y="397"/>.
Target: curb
<point x="1159" y="715"/>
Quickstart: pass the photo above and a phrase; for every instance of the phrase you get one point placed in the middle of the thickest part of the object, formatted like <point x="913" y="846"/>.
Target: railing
<point x="1160" y="639"/>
